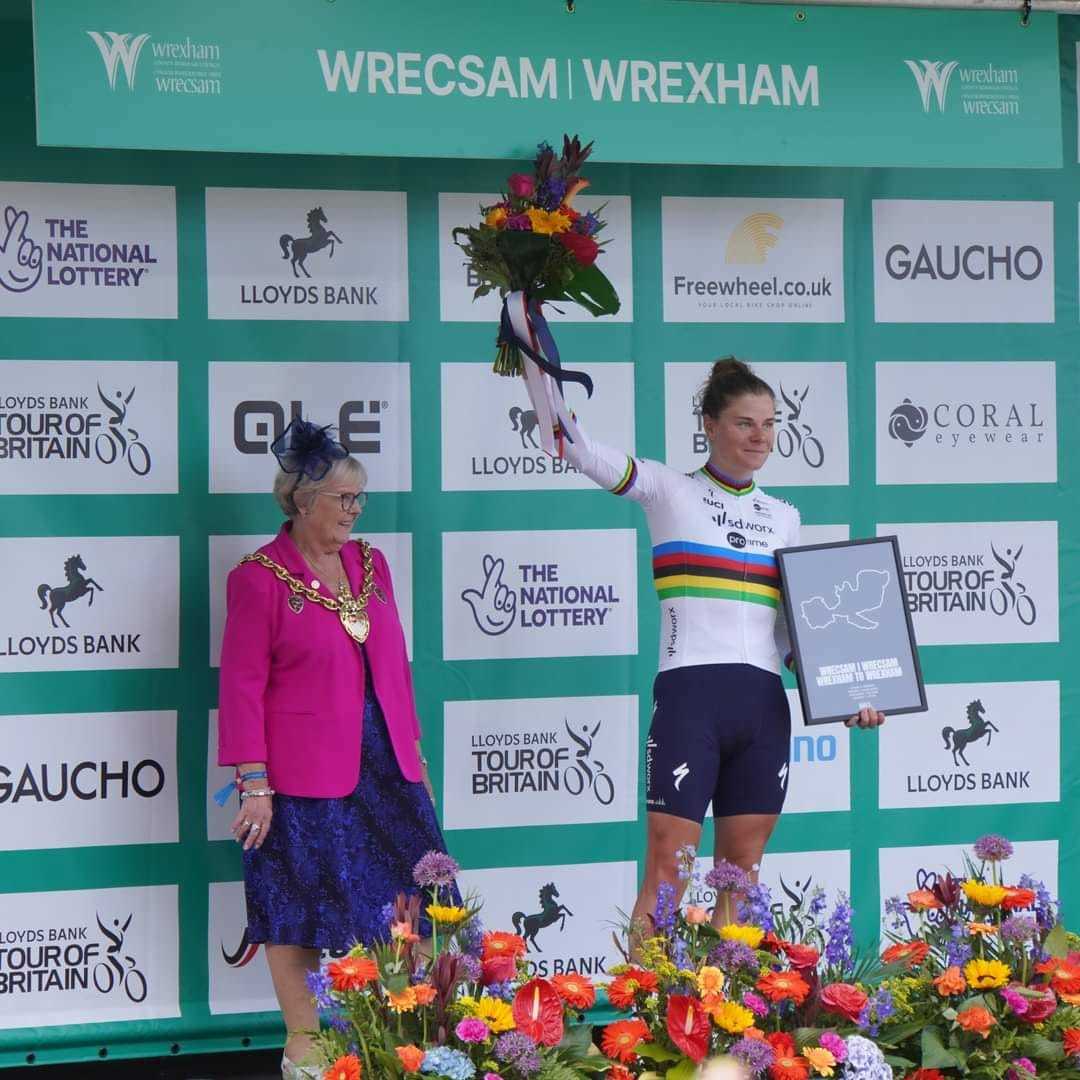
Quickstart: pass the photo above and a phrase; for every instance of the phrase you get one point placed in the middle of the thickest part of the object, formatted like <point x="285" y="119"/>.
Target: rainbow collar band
<point x="721" y="481"/>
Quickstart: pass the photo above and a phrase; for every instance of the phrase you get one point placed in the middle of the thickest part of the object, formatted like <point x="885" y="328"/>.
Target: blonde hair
<point x="290" y="494"/>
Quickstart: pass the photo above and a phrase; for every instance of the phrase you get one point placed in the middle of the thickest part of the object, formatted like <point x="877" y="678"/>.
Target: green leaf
<point x="685" y="1070"/>
<point x="899" y="1062"/>
<point x="525" y="254"/>
<point x="896" y="1035"/>
<point x="576" y="1041"/>
<point x="1057" y="942"/>
<point x="590" y="288"/>
<point x="934" y="1053"/>
<point x="1040" y="1048"/>
<point x="656" y="1052"/>
<point x="556" y="1070"/>
<point x="804" y="1036"/>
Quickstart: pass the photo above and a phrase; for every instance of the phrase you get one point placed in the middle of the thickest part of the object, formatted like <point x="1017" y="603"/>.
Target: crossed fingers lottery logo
<point x="20" y="256"/>
<point x="493" y="605"/>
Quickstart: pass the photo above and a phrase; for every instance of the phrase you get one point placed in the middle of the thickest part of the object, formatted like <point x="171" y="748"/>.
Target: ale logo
<point x="907" y="422"/>
<point x="1011" y="594"/>
<point x="55" y="598"/>
<point x="119" y="52"/>
<point x="297" y="249"/>
<point x="978" y="727"/>
<point x="494" y="604"/>
<point x="551" y="912"/>
<point x="932" y="77"/>
<point x="118" y="971"/>
<point x="752" y="239"/>
<point x="795" y="437"/>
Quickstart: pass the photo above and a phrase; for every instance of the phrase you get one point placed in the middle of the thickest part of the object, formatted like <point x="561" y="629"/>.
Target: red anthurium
<point x="688" y="1026"/>
<point x="538" y="1012"/>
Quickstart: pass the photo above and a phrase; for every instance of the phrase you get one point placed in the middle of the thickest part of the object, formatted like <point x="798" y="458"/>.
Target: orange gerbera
<point x="1064" y="976"/>
<point x="425" y="993"/>
<point x="500" y="943"/>
<point x="621" y="1039"/>
<point x="926" y="1074"/>
<point x="622" y="988"/>
<point x="405" y="1001"/>
<point x="787" y="1065"/>
<point x="911" y="953"/>
<point x="977" y="1020"/>
<point x="411" y="1057"/>
<point x="1071" y="1040"/>
<point x="1017" y="898"/>
<point x="983" y="929"/>
<point x="950" y="982"/>
<point x="352" y="972"/>
<point x="617" y="1072"/>
<point x="345" y="1068"/>
<point x="784" y="986"/>
<point x="575" y="990"/>
<point x="923" y="900"/>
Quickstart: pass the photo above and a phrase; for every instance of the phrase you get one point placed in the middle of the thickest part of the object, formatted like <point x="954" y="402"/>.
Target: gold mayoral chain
<point x="351" y="610"/>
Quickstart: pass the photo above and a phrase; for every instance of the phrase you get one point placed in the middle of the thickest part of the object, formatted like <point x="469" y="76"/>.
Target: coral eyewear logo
<point x="119" y="52"/>
<point x="751" y="240"/>
<point x="932" y="77"/>
<point x="907" y="422"/>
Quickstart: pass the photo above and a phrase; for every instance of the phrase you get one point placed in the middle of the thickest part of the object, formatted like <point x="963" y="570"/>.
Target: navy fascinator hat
<point x="307" y="450"/>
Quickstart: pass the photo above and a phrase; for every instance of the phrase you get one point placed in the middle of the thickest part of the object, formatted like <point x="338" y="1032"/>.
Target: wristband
<point x="244" y="777"/>
<point x="264" y="792"/>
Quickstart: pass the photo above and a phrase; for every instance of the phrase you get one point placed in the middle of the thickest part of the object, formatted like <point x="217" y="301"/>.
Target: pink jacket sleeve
<point x="382" y="569"/>
<point x="245" y="666"/>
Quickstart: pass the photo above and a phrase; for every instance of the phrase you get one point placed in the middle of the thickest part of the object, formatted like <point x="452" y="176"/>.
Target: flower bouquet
<point x="991" y="986"/>
<point x="534" y="247"/>
<point x="470" y="1011"/>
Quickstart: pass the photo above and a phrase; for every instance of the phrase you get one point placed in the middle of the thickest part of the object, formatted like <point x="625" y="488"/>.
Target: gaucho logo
<point x="84" y="780"/>
<point x="541" y="600"/>
<point x="973" y="262"/>
<point x="969" y="423"/>
<point x="256" y="424"/>
<point x="530" y="461"/>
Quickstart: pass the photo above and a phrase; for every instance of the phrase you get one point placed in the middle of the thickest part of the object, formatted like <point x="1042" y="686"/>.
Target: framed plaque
<point x="851" y="631"/>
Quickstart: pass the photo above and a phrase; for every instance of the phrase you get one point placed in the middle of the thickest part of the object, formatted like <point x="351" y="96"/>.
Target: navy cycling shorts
<point x="720" y="733"/>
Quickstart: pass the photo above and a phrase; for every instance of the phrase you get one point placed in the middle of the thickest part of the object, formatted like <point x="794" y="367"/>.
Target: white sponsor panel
<point x="973" y="749"/>
<point x="753" y="260"/>
<point x="491" y="438"/>
<point x="88" y="956"/>
<point x="283" y="253"/>
<point x="239" y="976"/>
<point x="966" y="423"/>
<point x="554" y="593"/>
<point x="980" y="583"/>
<point x="88" y="251"/>
<point x="565" y="913"/>
<point x="811" y="422"/>
<point x="963" y="262"/>
<point x="820" y="775"/>
<point x="540" y="761"/>
<point x="823" y="534"/>
<point x="792" y="878"/>
<point x="457" y="282"/>
<point x="79" y="428"/>
<point x="227" y="551"/>
<point x="87" y="780"/>
<point x="251" y="404"/>
<point x="91" y="602"/>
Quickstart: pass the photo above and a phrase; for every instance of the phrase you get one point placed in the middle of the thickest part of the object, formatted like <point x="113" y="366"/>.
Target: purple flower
<point x="492" y="1076"/>
<point x="436" y="868"/>
<point x="550" y="193"/>
<point x="1017" y="1002"/>
<point x="756" y="907"/>
<point x="517" y="1049"/>
<point x="877" y="1008"/>
<point x="834" y="1044"/>
<point x="519" y="222"/>
<point x="387" y="913"/>
<point x="588" y="224"/>
<point x="664" y="915"/>
<point x="502" y="990"/>
<point x="1044" y="903"/>
<point x="680" y="954"/>
<point x="471" y="1030"/>
<point x="1019" y="928"/>
<point x="318" y="982"/>
<point x="838" y="949"/>
<point x="992" y="848"/>
<point x="818" y="903"/>
<point x="756" y="1054"/>
<point x="1022" y="1066"/>
<point x="686" y="856"/>
<point x="471" y="937"/>
<point x="733" y="955"/>
<point x="727" y="877"/>
<point x="338" y="1021"/>
<point x="470" y="968"/>
<point x="755" y="1004"/>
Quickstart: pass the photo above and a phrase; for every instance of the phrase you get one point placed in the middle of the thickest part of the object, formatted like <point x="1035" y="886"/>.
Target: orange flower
<point x="1070" y="999"/>
<point x="405" y="1001"/>
<point x="621" y="1039"/>
<point x="352" y="972"/>
<point x="976" y="1020"/>
<point x="911" y="953"/>
<point x="787" y="1067"/>
<point x="575" y="990"/>
<point x="983" y="929"/>
<point x="345" y="1068"/>
<point x="425" y="993"/>
<point x="754" y="1033"/>
<point x="410" y="1057"/>
<point x="499" y="943"/>
<point x="1071" y="1040"/>
<point x="1016" y="898"/>
<point x="622" y="988"/>
<point x="923" y="900"/>
<point x="403" y="931"/>
<point x="617" y="1072"/>
<point x="784" y="986"/>
<point x="1064" y="976"/>
<point x="951" y="981"/>
<point x="695" y="915"/>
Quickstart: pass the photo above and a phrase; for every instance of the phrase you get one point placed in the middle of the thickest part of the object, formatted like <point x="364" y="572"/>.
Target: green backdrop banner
<point x="662" y="80"/>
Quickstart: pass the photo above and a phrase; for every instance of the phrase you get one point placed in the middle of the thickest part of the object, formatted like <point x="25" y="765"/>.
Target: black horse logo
<point x="978" y="727"/>
<point x="528" y="926"/>
<point x="54" y="597"/>
<point x="528" y="422"/>
<point x="300" y="248"/>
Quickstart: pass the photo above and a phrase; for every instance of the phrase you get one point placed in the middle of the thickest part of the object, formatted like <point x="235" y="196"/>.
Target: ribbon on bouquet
<point x="546" y="356"/>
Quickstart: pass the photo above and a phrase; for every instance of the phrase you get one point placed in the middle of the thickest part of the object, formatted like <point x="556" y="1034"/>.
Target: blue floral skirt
<point x="329" y="867"/>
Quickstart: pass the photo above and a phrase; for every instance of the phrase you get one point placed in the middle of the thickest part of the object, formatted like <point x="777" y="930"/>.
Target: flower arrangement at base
<point x="991" y="985"/>
<point x="469" y="1012"/>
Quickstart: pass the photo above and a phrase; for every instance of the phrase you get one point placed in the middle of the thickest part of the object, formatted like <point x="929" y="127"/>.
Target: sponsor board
<point x="967" y="423"/>
<point x="88" y="956"/>
<point x="88" y="251"/>
<point x="986" y="583"/>
<point x="753" y="260"/>
<point x="251" y="404"/>
<point x="227" y="551"/>
<point x="973" y="749"/>
<point x="239" y="976"/>
<point x="91" y="603"/>
<point x="168" y="66"/>
<point x="540" y="761"/>
<point x="564" y="913"/>
<point x="552" y="593"/>
<point x="963" y="262"/>
<point x="493" y="442"/>
<point x="811" y="422"/>
<point x="792" y="878"/>
<point x="457" y="283"/>
<point x="87" y="780"/>
<point x="985" y="92"/>
<point x="78" y="428"/>
<point x="823" y="534"/>
<point x="282" y="253"/>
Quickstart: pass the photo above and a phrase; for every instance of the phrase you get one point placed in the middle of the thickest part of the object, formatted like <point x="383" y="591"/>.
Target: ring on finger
<point x="255" y="828"/>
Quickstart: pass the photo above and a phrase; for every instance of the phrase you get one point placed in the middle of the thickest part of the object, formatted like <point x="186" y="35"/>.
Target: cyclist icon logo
<point x="587" y="772"/>
<point x="120" y="443"/>
<point x="793" y="435"/>
<point x="1011" y="594"/>
<point x="118" y="970"/>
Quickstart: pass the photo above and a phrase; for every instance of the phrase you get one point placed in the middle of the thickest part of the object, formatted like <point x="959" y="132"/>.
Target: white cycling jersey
<point x="712" y="546"/>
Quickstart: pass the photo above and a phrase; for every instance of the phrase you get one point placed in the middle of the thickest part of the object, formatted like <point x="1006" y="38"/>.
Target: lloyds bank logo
<point x="932" y="78"/>
<point x="119" y="51"/>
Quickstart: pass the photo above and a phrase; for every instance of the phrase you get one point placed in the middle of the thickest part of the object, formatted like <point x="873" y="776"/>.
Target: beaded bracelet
<point x="244" y="777"/>
<point x="256" y="794"/>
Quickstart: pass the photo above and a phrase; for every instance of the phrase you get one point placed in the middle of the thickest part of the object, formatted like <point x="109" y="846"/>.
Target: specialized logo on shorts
<point x="679" y="774"/>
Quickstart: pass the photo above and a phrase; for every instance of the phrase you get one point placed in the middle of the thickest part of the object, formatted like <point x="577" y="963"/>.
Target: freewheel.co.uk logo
<point x="984" y="91"/>
<point x="753" y="238"/>
<point x="179" y="67"/>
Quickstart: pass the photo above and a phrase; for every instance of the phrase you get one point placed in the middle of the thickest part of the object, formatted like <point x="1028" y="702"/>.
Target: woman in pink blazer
<point x="319" y="718"/>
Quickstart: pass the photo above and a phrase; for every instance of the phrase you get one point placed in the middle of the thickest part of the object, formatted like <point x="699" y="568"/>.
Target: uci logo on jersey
<point x="736" y="540"/>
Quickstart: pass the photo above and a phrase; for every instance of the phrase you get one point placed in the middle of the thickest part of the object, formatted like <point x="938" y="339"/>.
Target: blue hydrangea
<point x="453" y="1064"/>
<point x="865" y="1061"/>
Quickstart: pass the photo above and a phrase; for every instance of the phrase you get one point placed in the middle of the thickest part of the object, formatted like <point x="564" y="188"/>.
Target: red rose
<point x="1040" y="1008"/>
<point x="801" y="957"/>
<point x="583" y="248"/>
<point x="844" y="1000"/>
<point x="522" y="185"/>
<point x="496" y="969"/>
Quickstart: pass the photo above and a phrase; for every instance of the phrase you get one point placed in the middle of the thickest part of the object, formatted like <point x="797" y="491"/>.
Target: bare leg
<point x="666" y="834"/>
<point x="740" y="839"/>
<point x="289" y="965"/>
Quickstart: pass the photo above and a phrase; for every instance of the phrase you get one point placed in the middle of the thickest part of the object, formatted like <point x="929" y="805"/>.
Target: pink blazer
<point x="292" y="685"/>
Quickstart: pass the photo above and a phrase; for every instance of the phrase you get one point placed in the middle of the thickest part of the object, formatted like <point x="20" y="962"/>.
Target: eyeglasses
<point x="349" y="500"/>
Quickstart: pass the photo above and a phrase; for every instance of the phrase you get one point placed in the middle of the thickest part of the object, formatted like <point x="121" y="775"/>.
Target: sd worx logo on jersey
<point x="179" y="67"/>
<point x="984" y="91"/>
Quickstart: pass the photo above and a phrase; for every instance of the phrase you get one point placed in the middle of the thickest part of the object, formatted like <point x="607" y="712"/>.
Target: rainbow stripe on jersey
<point x="682" y="568"/>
